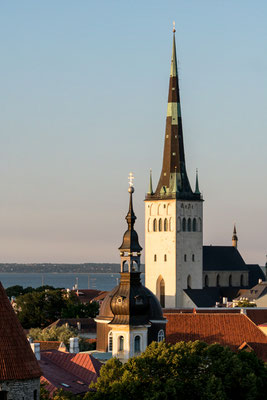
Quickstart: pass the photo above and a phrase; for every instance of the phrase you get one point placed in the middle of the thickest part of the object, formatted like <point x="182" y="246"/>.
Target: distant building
<point x="180" y="271"/>
<point x="130" y="317"/>
<point x="19" y="369"/>
<point x="256" y="295"/>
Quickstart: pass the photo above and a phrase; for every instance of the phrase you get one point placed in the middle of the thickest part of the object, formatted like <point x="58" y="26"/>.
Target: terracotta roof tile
<point x="75" y="370"/>
<point x="17" y="360"/>
<point x="227" y="329"/>
<point x="258" y="316"/>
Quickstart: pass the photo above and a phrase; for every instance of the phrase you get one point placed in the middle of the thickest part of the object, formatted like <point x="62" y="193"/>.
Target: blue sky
<point x="83" y="102"/>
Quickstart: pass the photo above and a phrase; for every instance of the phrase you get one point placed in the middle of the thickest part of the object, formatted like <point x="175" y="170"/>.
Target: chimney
<point x="225" y="300"/>
<point x="36" y="349"/>
<point x="74" y="345"/>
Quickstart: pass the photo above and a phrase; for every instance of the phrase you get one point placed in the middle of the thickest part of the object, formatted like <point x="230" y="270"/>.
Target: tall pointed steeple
<point x="173" y="166"/>
<point x="234" y="238"/>
<point x="197" y="191"/>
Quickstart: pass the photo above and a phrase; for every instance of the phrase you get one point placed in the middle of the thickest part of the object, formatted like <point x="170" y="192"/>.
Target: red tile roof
<point x="227" y="329"/>
<point x="17" y="360"/>
<point x="75" y="370"/>
<point x="88" y="295"/>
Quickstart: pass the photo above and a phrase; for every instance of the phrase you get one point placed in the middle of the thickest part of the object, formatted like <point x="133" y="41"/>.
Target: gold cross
<point x="131" y="178"/>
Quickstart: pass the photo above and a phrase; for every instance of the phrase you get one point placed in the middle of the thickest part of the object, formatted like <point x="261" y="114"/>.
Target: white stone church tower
<point x="173" y="215"/>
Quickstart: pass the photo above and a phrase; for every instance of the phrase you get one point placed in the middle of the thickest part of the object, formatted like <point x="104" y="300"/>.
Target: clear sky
<point x="83" y="100"/>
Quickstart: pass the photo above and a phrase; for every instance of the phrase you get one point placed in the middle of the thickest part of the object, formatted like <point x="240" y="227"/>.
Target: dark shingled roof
<point x="255" y="273"/>
<point x="17" y="360"/>
<point x="222" y="258"/>
<point x="208" y="296"/>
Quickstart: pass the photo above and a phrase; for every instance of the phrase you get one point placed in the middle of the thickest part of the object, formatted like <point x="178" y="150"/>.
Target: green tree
<point x="61" y="394"/>
<point x="246" y="303"/>
<point x="76" y="309"/>
<point x="189" y="371"/>
<point x="14" y="291"/>
<point x="44" y="393"/>
<point x="61" y="333"/>
<point x="39" y="309"/>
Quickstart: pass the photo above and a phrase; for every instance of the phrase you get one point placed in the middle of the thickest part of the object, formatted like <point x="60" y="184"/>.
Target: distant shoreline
<point x="53" y="268"/>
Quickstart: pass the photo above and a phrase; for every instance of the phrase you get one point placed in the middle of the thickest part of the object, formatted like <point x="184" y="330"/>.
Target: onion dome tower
<point x="173" y="214"/>
<point x="130" y="317"/>
<point x="19" y="369"/>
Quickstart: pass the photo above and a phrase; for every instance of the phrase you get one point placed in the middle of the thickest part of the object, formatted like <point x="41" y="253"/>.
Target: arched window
<point x="110" y="342"/>
<point x="194" y="225"/>
<point x="193" y="257"/>
<point x="160" y="291"/>
<point x="230" y="280"/>
<point x="242" y="280"/>
<point x="121" y="343"/>
<point x="160" y="225"/>
<point x="189" y="224"/>
<point x="165" y="257"/>
<point x="165" y="224"/>
<point x="184" y="225"/>
<point x="155" y="225"/>
<point x="206" y="281"/>
<point x="34" y="394"/>
<point x="189" y="282"/>
<point x="218" y="280"/>
<point x="185" y="258"/>
<point x="137" y="344"/>
<point x="155" y="257"/>
<point x="161" y="335"/>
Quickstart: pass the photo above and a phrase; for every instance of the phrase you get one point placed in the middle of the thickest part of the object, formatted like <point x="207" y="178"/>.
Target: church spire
<point x="173" y="167"/>
<point x="130" y="243"/>
<point x="197" y="191"/>
<point x="234" y="238"/>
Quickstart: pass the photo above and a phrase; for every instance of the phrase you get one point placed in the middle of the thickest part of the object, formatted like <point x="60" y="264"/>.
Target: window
<point x="218" y="280"/>
<point x="165" y="257"/>
<point x="242" y="280"/>
<point x="160" y="225"/>
<point x="185" y="257"/>
<point x="193" y="257"/>
<point x="206" y="281"/>
<point x="184" y="225"/>
<point x="121" y="343"/>
<point x="35" y="394"/>
<point x="137" y="344"/>
<point x="155" y="257"/>
<point x="110" y="341"/>
<point x="189" y="225"/>
<point x="161" y="335"/>
<point x="155" y="225"/>
<point x="230" y="280"/>
<point x="165" y="224"/>
<point x="194" y="225"/>
<point x="189" y="282"/>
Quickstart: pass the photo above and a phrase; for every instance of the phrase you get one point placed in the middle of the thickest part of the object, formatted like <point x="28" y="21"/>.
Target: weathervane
<point x="173" y="29"/>
<point x="131" y="178"/>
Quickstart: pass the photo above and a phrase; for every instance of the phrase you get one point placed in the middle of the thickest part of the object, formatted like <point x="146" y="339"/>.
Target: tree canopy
<point x="39" y="309"/>
<point x="189" y="371"/>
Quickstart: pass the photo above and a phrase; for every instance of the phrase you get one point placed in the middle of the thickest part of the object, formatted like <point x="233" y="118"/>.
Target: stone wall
<point x="22" y="389"/>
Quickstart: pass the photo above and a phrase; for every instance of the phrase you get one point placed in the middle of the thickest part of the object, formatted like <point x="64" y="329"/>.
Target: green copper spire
<point x="150" y="188"/>
<point x="197" y="191"/>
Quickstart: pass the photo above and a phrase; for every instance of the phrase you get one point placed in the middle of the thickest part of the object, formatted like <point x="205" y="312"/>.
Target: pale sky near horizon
<point x="83" y="102"/>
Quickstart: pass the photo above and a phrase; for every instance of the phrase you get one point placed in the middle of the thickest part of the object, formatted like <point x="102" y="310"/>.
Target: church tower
<point x="173" y="214"/>
<point x="130" y="317"/>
